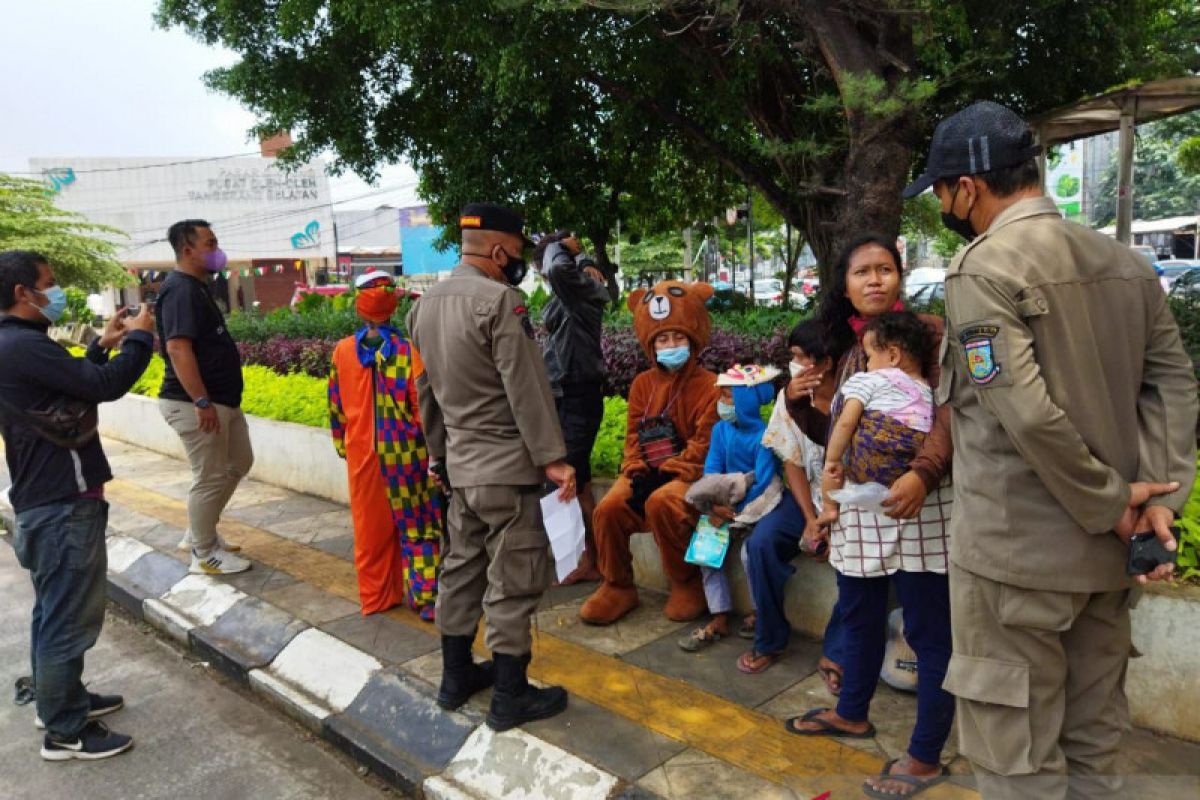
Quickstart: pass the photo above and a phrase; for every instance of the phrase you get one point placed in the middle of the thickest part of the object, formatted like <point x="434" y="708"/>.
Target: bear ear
<point x="704" y="291"/>
<point x="634" y="298"/>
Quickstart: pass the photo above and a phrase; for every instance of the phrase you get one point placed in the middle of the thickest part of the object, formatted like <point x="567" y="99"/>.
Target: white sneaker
<point x="218" y="562"/>
<point x="186" y="543"/>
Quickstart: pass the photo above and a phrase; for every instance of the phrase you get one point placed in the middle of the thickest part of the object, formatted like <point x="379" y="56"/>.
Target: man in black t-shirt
<point x="201" y="392"/>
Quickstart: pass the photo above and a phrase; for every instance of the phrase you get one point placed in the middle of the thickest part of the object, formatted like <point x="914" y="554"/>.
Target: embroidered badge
<point x="977" y="341"/>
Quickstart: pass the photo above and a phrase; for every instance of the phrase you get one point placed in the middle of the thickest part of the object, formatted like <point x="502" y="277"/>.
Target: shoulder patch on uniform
<point x="978" y="343"/>
<point x="523" y="314"/>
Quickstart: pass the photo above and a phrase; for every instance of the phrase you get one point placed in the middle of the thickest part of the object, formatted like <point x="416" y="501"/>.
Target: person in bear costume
<point x="672" y="409"/>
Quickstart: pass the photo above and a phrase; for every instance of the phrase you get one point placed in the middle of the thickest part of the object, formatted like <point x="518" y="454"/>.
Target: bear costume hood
<point x="671" y="306"/>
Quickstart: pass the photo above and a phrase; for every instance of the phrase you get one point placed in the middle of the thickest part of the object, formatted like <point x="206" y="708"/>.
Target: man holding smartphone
<point x="201" y="392"/>
<point x="1074" y="418"/>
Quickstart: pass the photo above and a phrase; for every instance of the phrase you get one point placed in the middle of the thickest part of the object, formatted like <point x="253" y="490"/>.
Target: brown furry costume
<point x="692" y="394"/>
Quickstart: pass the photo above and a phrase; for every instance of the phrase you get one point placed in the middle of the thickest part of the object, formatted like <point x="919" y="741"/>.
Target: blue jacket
<point x="737" y="446"/>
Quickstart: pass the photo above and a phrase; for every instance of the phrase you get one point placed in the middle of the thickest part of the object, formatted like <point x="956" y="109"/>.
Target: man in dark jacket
<point x="573" y="317"/>
<point x="58" y="494"/>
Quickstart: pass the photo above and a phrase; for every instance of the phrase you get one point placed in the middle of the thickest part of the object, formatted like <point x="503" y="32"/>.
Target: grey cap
<point x="982" y="137"/>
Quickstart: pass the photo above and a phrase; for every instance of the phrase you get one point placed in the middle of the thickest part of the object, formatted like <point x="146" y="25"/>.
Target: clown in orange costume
<point x="376" y="427"/>
<point x="672" y="408"/>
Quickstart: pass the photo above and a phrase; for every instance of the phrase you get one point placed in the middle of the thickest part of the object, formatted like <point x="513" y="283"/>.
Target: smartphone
<point x="133" y="310"/>
<point x="1146" y="552"/>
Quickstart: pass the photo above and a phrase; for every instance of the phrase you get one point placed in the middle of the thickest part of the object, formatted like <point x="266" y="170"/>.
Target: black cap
<point x="982" y="137"/>
<point x="491" y="217"/>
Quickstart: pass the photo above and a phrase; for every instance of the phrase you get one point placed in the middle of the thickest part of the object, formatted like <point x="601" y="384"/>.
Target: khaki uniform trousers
<point x="1040" y="682"/>
<point x="218" y="460"/>
<point x="495" y="562"/>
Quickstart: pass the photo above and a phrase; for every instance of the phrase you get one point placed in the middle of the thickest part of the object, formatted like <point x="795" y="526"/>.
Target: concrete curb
<point x="381" y="716"/>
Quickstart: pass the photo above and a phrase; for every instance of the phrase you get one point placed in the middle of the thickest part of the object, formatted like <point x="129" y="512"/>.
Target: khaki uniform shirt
<point x="486" y="405"/>
<point x="1068" y="380"/>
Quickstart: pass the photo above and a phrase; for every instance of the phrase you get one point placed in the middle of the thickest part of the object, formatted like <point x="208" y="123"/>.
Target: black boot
<point x="461" y="676"/>
<point x="514" y="701"/>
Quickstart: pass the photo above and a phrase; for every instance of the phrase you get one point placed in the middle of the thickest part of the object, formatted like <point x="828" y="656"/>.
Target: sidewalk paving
<point x="646" y="718"/>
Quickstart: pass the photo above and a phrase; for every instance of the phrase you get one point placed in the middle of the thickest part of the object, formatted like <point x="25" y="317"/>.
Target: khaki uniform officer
<point x="490" y="420"/>
<point x="1073" y="403"/>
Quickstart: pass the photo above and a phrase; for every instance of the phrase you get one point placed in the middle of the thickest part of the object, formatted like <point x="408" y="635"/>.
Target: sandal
<point x="827" y="727"/>
<point x="699" y="639"/>
<point x="832" y="677"/>
<point x="919" y="784"/>
<point x="747" y="629"/>
<point x="753" y="662"/>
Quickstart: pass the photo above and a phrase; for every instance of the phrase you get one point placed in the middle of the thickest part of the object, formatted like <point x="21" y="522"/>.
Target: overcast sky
<point x="87" y="78"/>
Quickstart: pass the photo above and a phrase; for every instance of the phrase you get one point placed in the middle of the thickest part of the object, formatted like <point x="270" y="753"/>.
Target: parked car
<point x="1187" y="284"/>
<point x="1172" y="268"/>
<point x="768" y="292"/>
<point x="924" y="284"/>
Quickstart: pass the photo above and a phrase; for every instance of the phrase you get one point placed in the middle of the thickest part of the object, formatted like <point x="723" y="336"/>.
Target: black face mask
<point x="514" y="271"/>
<point x="957" y="224"/>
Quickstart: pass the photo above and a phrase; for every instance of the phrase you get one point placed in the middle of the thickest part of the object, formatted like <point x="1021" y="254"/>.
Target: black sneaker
<point x="93" y="743"/>
<point x="98" y="706"/>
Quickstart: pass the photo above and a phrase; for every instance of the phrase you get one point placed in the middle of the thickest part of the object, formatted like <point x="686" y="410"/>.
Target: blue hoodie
<point x="737" y="446"/>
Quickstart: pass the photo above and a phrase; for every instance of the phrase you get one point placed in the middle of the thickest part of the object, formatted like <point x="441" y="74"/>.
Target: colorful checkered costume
<point x="396" y="509"/>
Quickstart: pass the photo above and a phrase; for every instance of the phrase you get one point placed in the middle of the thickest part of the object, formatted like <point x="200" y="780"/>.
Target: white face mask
<point x="796" y="369"/>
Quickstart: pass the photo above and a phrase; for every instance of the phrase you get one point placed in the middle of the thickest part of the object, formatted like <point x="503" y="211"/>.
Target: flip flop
<point x="830" y="676"/>
<point x="744" y="662"/>
<point x="746" y="631"/>
<point x="919" y="784"/>
<point x="827" y="727"/>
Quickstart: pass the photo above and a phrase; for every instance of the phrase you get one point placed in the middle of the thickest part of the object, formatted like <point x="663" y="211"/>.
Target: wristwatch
<point x="201" y="402"/>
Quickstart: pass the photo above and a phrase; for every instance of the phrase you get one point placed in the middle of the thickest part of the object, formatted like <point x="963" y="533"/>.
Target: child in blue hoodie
<point x="736" y="449"/>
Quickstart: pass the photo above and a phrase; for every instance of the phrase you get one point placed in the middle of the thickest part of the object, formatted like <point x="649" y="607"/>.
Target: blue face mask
<point x="53" y="311"/>
<point x="673" y="357"/>
<point x="726" y="411"/>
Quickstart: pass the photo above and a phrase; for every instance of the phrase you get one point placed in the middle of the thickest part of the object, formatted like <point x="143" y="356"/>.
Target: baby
<point x="883" y="414"/>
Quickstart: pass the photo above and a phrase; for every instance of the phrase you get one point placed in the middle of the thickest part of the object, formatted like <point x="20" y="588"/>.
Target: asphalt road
<point x="196" y="735"/>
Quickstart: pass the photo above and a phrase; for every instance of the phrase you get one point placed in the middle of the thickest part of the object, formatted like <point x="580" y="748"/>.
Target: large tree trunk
<point x="600" y="238"/>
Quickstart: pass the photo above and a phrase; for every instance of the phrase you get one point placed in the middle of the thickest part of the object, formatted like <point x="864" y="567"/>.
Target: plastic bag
<point x="867" y="496"/>
<point x="709" y="545"/>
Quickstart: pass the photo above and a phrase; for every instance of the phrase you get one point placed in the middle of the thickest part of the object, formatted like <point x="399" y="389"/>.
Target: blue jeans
<point x="62" y="546"/>
<point x="926" y="600"/>
<point x="769" y="553"/>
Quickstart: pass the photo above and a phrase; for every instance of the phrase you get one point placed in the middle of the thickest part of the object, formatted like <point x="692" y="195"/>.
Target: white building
<point x="275" y="226"/>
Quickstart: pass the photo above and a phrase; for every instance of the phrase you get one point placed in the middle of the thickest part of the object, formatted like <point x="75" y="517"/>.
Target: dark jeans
<point x="925" y="597"/>
<point x="62" y="546"/>
<point x="770" y="549"/>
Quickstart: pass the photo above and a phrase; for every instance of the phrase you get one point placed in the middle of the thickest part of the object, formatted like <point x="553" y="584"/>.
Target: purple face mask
<point x="214" y="260"/>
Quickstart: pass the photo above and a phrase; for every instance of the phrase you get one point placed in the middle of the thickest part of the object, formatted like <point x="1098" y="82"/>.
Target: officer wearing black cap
<point x="492" y="430"/>
<point x="1074" y="410"/>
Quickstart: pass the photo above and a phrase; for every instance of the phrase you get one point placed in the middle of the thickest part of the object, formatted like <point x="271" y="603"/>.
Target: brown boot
<point x="686" y="601"/>
<point x="609" y="603"/>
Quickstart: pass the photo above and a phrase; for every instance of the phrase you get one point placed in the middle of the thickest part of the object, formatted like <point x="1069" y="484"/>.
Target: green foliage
<point x="290" y="398"/>
<point x="328" y="319"/>
<point x="1188" y="156"/>
<point x="1163" y="186"/>
<point x="537" y="301"/>
<point x="82" y="253"/>
<point x="658" y="112"/>
<point x="295" y="398"/>
<point x="1188" y="561"/>
<point x="610" y="441"/>
<point x="77" y="307"/>
<point x="1067" y="186"/>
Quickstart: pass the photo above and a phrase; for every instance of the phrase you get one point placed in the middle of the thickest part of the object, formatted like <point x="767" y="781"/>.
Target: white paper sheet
<point x="564" y="526"/>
